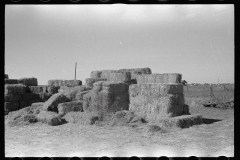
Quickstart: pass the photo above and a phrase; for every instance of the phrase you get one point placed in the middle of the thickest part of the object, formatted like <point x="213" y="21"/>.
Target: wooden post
<point x="75" y="69"/>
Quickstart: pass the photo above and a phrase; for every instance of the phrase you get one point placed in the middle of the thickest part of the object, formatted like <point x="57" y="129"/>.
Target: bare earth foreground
<point x="68" y="140"/>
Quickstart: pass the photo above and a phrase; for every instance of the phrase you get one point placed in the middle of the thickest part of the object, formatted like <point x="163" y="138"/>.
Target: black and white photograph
<point x="119" y="80"/>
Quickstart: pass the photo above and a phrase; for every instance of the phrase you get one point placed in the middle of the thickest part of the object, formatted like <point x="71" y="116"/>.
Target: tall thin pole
<point x="75" y="69"/>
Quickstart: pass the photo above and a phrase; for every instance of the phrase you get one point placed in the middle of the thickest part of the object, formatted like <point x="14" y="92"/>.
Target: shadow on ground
<point x="210" y="121"/>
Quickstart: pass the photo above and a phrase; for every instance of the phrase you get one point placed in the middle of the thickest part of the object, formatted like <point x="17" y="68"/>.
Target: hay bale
<point x="137" y="70"/>
<point x="50" y="118"/>
<point x="66" y="89"/>
<point x="89" y="81"/>
<point x="30" y="96"/>
<point x="28" y="81"/>
<point x="120" y="77"/>
<point x="76" y="93"/>
<point x="11" y="106"/>
<point x="52" y="89"/>
<point x="11" y="81"/>
<point x="183" y="121"/>
<point x="44" y="96"/>
<point x="14" y="89"/>
<point x="30" y="102"/>
<point x="37" y="89"/>
<point x="53" y="82"/>
<point x="6" y="76"/>
<point x="108" y="97"/>
<point x="12" y="98"/>
<point x="71" y="83"/>
<point x="83" y="118"/>
<point x="159" y="78"/>
<point x="96" y="74"/>
<point x="167" y="105"/>
<point x="52" y="103"/>
<point x="74" y="106"/>
<point x="22" y="104"/>
<point x="154" y="89"/>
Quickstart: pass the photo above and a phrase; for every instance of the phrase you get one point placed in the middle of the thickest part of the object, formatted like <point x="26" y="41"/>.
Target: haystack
<point x="159" y="78"/>
<point x="83" y="118"/>
<point x="120" y="77"/>
<point x="11" y="81"/>
<point x="28" y="81"/>
<point x="74" y="93"/>
<point x="107" y="97"/>
<point x="52" y="103"/>
<point x="74" y="106"/>
<point x="15" y="89"/>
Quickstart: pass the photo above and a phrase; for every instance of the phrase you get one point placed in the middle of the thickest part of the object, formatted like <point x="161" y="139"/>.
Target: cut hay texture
<point x="12" y="98"/>
<point x="50" y="118"/>
<point x="6" y="76"/>
<point x="160" y="100"/>
<point x="74" y="93"/>
<point x="119" y="77"/>
<point x="74" y="106"/>
<point x="107" y="97"/>
<point x="69" y="83"/>
<point x="52" y="103"/>
<point x="126" y="118"/>
<point x="15" y="89"/>
<point x="30" y="102"/>
<point x="11" y="106"/>
<point x="183" y="121"/>
<point x="11" y="81"/>
<point x="83" y="118"/>
<point x="44" y="96"/>
<point x="89" y="81"/>
<point x="52" y="89"/>
<point x="28" y="81"/>
<point x="23" y="116"/>
<point x="159" y="78"/>
<point x="37" y="89"/>
<point x="30" y="96"/>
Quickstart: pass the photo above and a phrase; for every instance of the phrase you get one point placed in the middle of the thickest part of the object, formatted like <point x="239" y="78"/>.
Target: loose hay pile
<point x="52" y="103"/>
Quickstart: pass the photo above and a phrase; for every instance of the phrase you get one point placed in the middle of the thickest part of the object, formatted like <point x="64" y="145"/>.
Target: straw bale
<point x="65" y="89"/>
<point x="37" y="89"/>
<point x="12" y="98"/>
<point x="183" y="121"/>
<point x="73" y="106"/>
<point x="29" y="81"/>
<point x="83" y="118"/>
<point x="120" y="77"/>
<point x="154" y="89"/>
<point x="106" y="73"/>
<point x="50" y="118"/>
<point x="22" y="104"/>
<point x="52" y="89"/>
<point x="15" y="89"/>
<point x="53" y="82"/>
<point x="76" y="93"/>
<point x="137" y="70"/>
<point x="11" y="106"/>
<point x="159" y="78"/>
<point x="96" y="74"/>
<point x="167" y="105"/>
<point x="6" y="76"/>
<point x="110" y="97"/>
<point x="89" y="81"/>
<point x="44" y="96"/>
<point x="30" y="96"/>
<point x="52" y="103"/>
<point x="71" y="83"/>
<point x="11" y="81"/>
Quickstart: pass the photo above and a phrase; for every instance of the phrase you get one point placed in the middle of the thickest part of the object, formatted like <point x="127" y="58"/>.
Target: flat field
<point x="212" y="139"/>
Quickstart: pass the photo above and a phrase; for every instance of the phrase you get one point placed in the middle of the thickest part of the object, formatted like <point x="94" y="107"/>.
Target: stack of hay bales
<point x="159" y="97"/>
<point x="121" y="75"/>
<point x="106" y="97"/>
<point x="69" y="83"/>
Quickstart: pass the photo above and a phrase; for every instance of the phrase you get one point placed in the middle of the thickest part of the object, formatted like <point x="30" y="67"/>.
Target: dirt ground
<point x="212" y="139"/>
